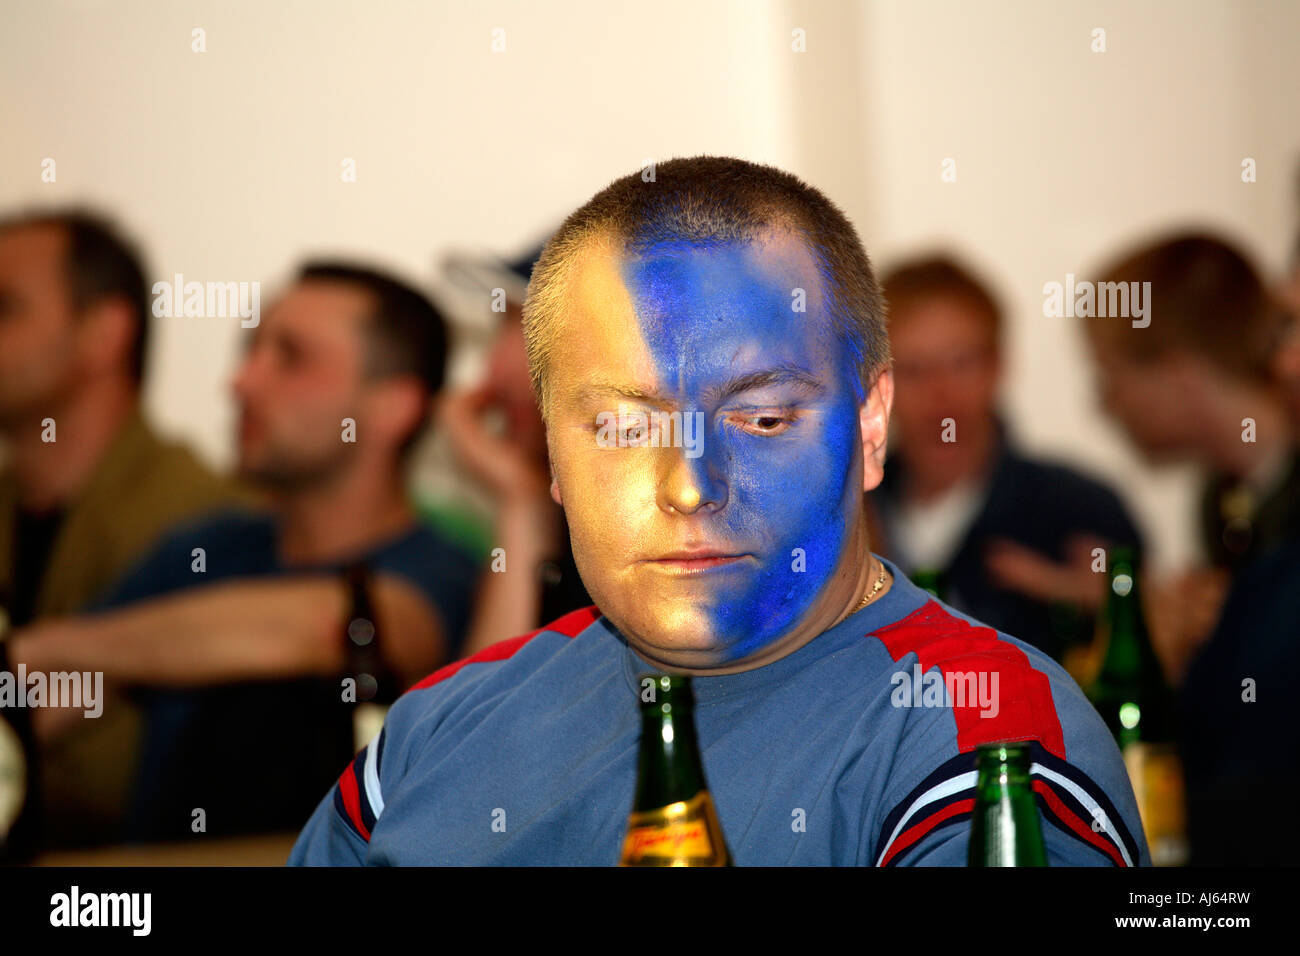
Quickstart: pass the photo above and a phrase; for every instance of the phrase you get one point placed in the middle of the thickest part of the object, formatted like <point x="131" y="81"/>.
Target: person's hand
<point x="1033" y="574"/>
<point x="502" y="464"/>
<point x="1182" y="613"/>
<point x="529" y="523"/>
<point x="28" y="646"/>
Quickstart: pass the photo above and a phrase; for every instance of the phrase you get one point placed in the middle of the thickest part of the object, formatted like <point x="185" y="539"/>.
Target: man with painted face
<point x="708" y="349"/>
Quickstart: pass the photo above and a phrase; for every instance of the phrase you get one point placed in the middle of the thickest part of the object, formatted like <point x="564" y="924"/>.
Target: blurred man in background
<point x="237" y="626"/>
<point x="1196" y="385"/>
<point x="88" y="486"/>
<point x="1006" y="533"/>
<point x="1239" y="745"/>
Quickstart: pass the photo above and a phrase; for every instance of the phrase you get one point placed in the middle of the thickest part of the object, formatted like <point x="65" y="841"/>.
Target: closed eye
<point x="765" y="423"/>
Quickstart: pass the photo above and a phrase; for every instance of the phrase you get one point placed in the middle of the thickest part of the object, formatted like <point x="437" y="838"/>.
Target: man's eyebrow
<point x="593" y="389"/>
<point x="781" y="375"/>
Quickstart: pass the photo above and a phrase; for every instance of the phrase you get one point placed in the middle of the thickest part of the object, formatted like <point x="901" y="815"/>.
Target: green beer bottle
<point x="1137" y="705"/>
<point x="673" y="820"/>
<point x="932" y="580"/>
<point x="1005" y="830"/>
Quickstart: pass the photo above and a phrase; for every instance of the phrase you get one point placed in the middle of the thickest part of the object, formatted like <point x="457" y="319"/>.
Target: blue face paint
<point x="711" y="314"/>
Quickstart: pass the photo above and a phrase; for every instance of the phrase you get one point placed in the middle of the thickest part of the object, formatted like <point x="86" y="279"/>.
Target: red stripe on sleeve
<point x="352" y="800"/>
<point x="570" y="625"/>
<point x="1080" y="828"/>
<point x="918" y="830"/>
<point x="1025" y="709"/>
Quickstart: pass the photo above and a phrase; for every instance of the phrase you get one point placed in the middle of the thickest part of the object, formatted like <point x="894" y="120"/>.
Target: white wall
<point x="226" y="164"/>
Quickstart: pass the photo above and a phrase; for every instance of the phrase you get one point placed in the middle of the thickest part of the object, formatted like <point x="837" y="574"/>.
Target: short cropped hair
<point x="1206" y="297"/>
<point x="940" y="276"/>
<point x="710" y="200"/>
<point x="99" y="264"/>
<point x="406" y="334"/>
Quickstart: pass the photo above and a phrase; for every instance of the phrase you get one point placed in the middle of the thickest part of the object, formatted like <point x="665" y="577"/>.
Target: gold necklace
<point x="875" y="589"/>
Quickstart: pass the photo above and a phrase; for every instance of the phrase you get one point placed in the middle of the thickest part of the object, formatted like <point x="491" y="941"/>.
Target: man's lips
<point x="689" y="561"/>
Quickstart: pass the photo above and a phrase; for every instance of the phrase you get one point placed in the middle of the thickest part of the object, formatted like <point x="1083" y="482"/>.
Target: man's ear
<point x="400" y="404"/>
<point x="108" y="333"/>
<point x="555" y="485"/>
<point x="873" y="418"/>
<point x="550" y="465"/>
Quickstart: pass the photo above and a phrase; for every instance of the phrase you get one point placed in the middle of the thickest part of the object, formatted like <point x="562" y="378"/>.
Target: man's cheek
<point x="594" y="480"/>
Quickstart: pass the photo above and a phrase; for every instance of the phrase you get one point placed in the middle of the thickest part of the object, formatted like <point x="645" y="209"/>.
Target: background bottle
<point x="1137" y="705"/>
<point x="673" y="820"/>
<point x="19" y="802"/>
<point x="377" y="685"/>
<point x="1005" y="829"/>
<point x="932" y="580"/>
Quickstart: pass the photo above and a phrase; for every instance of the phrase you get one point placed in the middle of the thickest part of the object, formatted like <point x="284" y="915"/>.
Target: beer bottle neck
<point x="669" y="765"/>
<point x="1004" y="825"/>
<point x="1128" y="649"/>
<point x="1002" y="768"/>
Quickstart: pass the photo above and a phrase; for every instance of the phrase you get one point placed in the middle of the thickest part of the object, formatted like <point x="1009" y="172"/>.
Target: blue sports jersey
<point x="856" y="749"/>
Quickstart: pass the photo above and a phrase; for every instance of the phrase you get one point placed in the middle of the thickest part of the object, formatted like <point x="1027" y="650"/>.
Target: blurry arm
<point x="508" y="602"/>
<point x="1181" y="611"/>
<point x="243" y="630"/>
<point x="528" y="527"/>
<point x="1027" y="572"/>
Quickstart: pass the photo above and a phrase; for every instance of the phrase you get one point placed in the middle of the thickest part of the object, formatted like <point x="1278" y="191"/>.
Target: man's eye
<point x="634" y="434"/>
<point x="764" y="424"/>
<point x="289" y="355"/>
<point x="624" y="433"/>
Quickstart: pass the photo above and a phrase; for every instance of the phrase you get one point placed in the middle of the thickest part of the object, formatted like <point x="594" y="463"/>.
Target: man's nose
<point x="1107" y="394"/>
<point x="247" y="375"/>
<point x="689" y="484"/>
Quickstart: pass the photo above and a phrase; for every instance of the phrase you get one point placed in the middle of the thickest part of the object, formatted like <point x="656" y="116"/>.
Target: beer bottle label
<point x="686" y="833"/>
<point x="13" y="777"/>
<point x="1157" y="776"/>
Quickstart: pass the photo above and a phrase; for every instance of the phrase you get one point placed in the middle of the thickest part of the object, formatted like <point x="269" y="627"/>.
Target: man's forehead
<point x="602" y="270"/>
<point x="43" y="240"/>
<point x="704" y="326"/>
<point x="778" y="258"/>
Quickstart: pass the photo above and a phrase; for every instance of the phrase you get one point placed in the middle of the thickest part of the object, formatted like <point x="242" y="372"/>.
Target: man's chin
<point x="278" y="477"/>
<point x="1159" y="455"/>
<point x="683" y="634"/>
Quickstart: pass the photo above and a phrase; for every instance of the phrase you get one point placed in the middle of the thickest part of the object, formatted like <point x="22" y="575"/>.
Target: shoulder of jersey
<point x="967" y="654"/>
<point x="358" y="798"/>
<point x="569" y="625"/>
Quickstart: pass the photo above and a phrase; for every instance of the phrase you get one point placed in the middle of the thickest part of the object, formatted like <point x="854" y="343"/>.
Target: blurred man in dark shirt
<point x="1240" y="748"/>
<point x="236" y="627"/>
<point x="959" y="498"/>
<point x="88" y="487"/>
